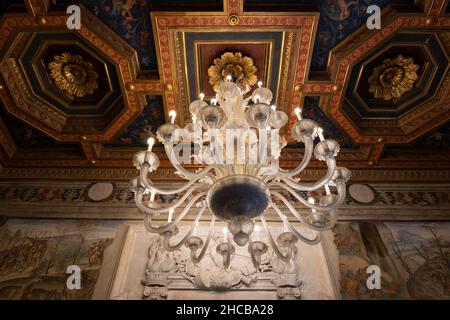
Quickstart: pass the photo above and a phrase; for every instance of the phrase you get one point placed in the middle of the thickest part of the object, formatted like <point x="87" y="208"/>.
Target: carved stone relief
<point x="166" y="271"/>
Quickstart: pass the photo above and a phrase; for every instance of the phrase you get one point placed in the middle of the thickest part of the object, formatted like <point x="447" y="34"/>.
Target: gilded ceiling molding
<point x="284" y="90"/>
<point x="440" y="98"/>
<point x="357" y="97"/>
<point x="182" y="91"/>
<point x="73" y="75"/>
<point x="37" y="7"/>
<point x="444" y="36"/>
<point x="434" y="8"/>
<point x="83" y="173"/>
<point x="24" y="99"/>
<point x="233" y="7"/>
<point x="393" y="78"/>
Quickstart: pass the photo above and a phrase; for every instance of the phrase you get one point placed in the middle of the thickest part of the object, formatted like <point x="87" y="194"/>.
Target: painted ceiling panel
<point x="137" y="133"/>
<point x="131" y="20"/>
<point x="438" y="139"/>
<point x="291" y="54"/>
<point x="338" y="19"/>
<point x="311" y="110"/>
<point x="265" y="48"/>
<point x="27" y="137"/>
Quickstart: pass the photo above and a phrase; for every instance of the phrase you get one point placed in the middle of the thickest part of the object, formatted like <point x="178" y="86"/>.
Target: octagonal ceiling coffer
<point x="418" y="64"/>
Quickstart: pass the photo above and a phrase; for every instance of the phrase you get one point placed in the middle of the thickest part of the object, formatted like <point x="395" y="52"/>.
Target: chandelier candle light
<point x="236" y="141"/>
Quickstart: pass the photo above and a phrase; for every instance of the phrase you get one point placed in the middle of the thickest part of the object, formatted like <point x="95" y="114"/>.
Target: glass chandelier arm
<point x="302" y="219"/>
<point x="225" y="170"/>
<point x="161" y="229"/>
<point x="340" y="198"/>
<point x="171" y="155"/>
<point x="285" y="258"/>
<point x="147" y="183"/>
<point x="208" y="178"/>
<point x="341" y="193"/>
<point x="145" y="208"/>
<point x="168" y="235"/>
<point x="257" y="169"/>
<point x="150" y="228"/>
<point x="309" y="147"/>
<point x="187" y="174"/>
<point x="331" y="164"/>
<point x="271" y="171"/>
<point x="316" y="240"/>
<point x="197" y="259"/>
<point x="262" y="147"/>
<point x="217" y="152"/>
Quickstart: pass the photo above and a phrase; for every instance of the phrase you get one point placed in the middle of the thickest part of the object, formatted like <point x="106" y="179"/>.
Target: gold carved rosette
<point x="240" y="68"/>
<point x="72" y="75"/>
<point x="393" y="78"/>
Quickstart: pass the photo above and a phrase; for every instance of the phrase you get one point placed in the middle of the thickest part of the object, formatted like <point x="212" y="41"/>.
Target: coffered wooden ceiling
<point x="152" y="56"/>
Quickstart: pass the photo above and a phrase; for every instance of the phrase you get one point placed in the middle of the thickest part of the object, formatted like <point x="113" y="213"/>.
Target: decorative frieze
<point x="359" y="194"/>
<point x="66" y="199"/>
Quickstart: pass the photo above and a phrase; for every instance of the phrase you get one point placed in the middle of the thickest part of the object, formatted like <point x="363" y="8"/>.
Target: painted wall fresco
<point x="34" y="255"/>
<point x="413" y="257"/>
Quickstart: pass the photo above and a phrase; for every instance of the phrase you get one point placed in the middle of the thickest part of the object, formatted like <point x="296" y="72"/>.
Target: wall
<point x="413" y="256"/>
<point x="34" y="256"/>
<point x="48" y="225"/>
<point x="172" y="275"/>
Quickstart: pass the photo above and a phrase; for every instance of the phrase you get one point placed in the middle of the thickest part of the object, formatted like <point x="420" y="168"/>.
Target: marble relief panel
<point x="147" y="271"/>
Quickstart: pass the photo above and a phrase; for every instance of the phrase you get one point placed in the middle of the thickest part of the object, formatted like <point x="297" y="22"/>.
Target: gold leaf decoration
<point x="393" y="78"/>
<point x="241" y="69"/>
<point x="73" y="75"/>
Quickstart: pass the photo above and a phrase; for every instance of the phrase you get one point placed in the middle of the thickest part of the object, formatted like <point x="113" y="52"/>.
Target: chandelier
<point x="235" y="141"/>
